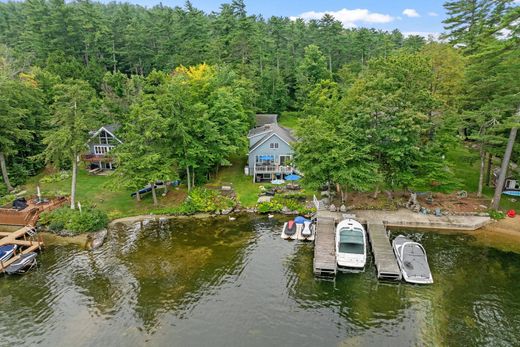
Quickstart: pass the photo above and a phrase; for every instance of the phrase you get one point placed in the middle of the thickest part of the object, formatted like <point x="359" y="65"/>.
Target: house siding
<point x="264" y="149"/>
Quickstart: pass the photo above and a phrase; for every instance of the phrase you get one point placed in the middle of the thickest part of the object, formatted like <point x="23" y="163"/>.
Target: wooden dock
<point x="22" y="237"/>
<point x="324" y="248"/>
<point x="384" y="257"/>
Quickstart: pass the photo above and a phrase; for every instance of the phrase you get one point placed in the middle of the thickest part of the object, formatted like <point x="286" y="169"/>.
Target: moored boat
<point x="307" y="232"/>
<point x="23" y="264"/>
<point x="412" y="260"/>
<point x="351" y="246"/>
<point x="289" y="230"/>
<point x="7" y="251"/>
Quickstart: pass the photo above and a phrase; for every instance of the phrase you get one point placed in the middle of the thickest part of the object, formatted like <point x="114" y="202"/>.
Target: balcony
<point x="273" y="168"/>
<point x="95" y="158"/>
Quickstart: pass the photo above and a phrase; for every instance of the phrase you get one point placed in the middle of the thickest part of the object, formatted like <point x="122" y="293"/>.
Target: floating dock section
<point x="324" y="263"/>
<point x="384" y="256"/>
<point x="26" y="240"/>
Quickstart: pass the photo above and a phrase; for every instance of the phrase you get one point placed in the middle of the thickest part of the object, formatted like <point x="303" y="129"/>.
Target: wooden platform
<point x="324" y="248"/>
<point x="23" y="239"/>
<point x="384" y="257"/>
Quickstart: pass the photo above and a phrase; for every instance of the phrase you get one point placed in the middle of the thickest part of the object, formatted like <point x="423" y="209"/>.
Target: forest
<point x="376" y="110"/>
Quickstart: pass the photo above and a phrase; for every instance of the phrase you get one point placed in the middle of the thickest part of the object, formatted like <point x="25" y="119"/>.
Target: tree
<point x="144" y="158"/>
<point x="311" y="70"/>
<point x="73" y="112"/>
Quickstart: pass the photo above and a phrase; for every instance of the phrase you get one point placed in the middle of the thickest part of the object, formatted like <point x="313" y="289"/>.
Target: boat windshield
<point x="351" y="241"/>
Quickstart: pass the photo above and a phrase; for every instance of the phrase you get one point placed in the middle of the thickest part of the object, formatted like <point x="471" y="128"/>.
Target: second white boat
<point x="351" y="246"/>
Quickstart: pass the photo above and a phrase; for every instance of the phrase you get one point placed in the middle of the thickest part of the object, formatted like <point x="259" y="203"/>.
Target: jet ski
<point x="7" y="251"/>
<point x="289" y="230"/>
<point x="23" y="264"/>
<point x="307" y="232"/>
<point x="412" y="260"/>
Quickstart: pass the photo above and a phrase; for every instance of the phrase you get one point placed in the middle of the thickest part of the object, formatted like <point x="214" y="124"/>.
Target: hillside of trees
<point x="376" y="109"/>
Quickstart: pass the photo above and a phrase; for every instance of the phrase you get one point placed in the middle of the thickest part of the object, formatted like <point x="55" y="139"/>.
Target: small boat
<point x="23" y="264"/>
<point x="289" y="230"/>
<point x="307" y="232"/>
<point x="351" y="246"/>
<point x="7" y="251"/>
<point x="412" y="260"/>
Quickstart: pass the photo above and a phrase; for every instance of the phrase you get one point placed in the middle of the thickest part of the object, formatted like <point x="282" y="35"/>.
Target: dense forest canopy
<point x="377" y="109"/>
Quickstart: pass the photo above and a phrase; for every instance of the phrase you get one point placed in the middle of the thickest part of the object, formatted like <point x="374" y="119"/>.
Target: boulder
<point x="343" y="208"/>
<point x="96" y="240"/>
<point x="227" y="211"/>
<point x="332" y="208"/>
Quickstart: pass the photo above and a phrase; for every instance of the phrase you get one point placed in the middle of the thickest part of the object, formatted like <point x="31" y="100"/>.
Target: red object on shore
<point x="511" y="213"/>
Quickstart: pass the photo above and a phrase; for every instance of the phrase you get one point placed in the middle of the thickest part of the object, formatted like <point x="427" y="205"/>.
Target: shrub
<point x="496" y="214"/>
<point x="200" y="200"/>
<point x="72" y="220"/>
<point x="269" y="206"/>
<point x="7" y="199"/>
<point x="57" y="177"/>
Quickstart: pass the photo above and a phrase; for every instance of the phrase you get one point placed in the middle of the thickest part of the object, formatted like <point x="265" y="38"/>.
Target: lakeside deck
<point x="25" y="238"/>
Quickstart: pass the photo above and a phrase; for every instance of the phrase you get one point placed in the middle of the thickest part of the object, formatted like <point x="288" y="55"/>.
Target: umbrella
<point x="266" y="157"/>
<point x="292" y="177"/>
<point x="277" y="181"/>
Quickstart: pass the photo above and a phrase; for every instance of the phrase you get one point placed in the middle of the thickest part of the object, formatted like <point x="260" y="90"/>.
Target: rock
<point x="96" y="240"/>
<point x="332" y="208"/>
<point x="325" y="193"/>
<point x="343" y="208"/>
<point x="325" y="201"/>
<point x="227" y="211"/>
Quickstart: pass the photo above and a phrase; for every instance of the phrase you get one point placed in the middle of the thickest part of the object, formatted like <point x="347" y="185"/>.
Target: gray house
<point x="270" y="149"/>
<point x="101" y="142"/>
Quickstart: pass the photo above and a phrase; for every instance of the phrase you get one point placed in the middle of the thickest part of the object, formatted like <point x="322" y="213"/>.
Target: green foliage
<point x="6" y="200"/>
<point x="269" y="206"/>
<point x="293" y="203"/>
<point x="496" y="215"/>
<point x="56" y="177"/>
<point x="200" y="200"/>
<point x="89" y="220"/>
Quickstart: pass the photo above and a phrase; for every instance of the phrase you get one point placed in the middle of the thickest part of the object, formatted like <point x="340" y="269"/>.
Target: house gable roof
<point x="264" y="119"/>
<point x="278" y="131"/>
<point x="109" y="128"/>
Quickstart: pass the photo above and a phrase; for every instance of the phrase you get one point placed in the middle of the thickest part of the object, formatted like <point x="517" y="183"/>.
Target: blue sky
<point x="406" y="15"/>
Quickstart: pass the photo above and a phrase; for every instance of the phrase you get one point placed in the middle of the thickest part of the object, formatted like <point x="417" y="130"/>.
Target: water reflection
<point x="221" y="283"/>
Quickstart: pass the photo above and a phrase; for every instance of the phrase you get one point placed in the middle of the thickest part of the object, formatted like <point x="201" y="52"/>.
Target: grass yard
<point x="99" y="191"/>
<point x="466" y="166"/>
<point x="247" y="191"/>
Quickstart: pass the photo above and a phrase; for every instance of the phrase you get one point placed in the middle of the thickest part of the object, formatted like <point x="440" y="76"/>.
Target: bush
<point x="72" y="220"/>
<point x="7" y="200"/>
<point x="57" y="177"/>
<point x="293" y="204"/>
<point x="200" y="200"/>
<point x="496" y="214"/>
<point x="269" y="206"/>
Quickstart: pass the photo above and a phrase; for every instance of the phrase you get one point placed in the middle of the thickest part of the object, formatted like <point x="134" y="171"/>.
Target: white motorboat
<point x="351" y="246"/>
<point x="412" y="260"/>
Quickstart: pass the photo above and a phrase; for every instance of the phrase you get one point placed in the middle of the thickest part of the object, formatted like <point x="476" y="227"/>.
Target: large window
<point x="105" y="138"/>
<point x="273" y="145"/>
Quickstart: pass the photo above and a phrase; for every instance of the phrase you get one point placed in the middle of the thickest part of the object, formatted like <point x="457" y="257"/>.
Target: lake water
<point x="221" y="283"/>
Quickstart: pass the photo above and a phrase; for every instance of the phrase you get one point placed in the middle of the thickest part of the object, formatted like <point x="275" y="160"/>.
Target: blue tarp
<point x="300" y="220"/>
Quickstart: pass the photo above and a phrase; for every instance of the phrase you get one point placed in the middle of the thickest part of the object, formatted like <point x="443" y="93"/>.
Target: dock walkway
<point x="324" y="248"/>
<point x="377" y="222"/>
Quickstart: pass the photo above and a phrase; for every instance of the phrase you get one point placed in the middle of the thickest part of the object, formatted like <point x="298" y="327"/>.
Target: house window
<point x="273" y="145"/>
<point x="105" y="138"/>
<point x="100" y="150"/>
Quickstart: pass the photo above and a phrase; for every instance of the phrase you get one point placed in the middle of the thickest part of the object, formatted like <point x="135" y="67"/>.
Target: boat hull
<point x="25" y="262"/>
<point x="416" y="269"/>
<point x="355" y="260"/>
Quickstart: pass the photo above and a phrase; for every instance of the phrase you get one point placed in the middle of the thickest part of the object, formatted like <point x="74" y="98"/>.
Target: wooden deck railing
<point x="273" y="169"/>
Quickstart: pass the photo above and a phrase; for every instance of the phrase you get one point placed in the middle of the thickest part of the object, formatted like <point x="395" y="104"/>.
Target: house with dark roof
<point x="270" y="149"/>
<point x="100" y="144"/>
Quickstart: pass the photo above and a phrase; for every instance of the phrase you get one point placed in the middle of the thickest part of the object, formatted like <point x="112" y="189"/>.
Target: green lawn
<point x="465" y="164"/>
<point x="247" y="191"/>
<point x="99" y="191"/>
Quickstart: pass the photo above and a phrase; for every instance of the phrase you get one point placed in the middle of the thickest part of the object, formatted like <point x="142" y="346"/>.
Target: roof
<point x="270" y="130"/>
<point x="263" y="119"/>
<point x="111" y="128"/>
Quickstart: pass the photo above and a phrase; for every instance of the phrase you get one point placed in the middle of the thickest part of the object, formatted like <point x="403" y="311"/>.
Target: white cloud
<point x="433" y="14"/>
<point x="410" y="12"/>
<point x="349" y="18"/>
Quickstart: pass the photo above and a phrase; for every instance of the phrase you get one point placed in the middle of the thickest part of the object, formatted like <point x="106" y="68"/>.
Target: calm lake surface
<point x="221" y="283"/>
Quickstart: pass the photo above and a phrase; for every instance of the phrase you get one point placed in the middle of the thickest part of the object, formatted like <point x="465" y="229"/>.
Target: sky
<point x="410" y="17"/>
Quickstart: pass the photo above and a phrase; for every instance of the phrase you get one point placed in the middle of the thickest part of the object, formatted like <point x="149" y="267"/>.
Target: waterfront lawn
<point x="466" y="165"/>
<point x="99" y="192"/>
<point x="247" y="191"/>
